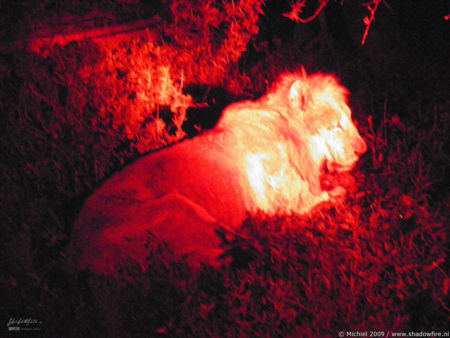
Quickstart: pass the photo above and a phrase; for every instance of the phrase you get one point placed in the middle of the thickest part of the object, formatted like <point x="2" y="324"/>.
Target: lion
<point x="263" y="156"/>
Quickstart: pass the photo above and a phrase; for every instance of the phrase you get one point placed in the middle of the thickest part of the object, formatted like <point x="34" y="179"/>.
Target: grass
<point x="374" y="261"/>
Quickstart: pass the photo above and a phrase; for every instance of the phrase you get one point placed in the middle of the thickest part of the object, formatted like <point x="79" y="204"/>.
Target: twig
<point x="372" y="7"/>
<point x="297" y="8"/>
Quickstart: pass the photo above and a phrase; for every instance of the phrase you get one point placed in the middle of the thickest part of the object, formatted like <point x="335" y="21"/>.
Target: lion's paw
<point x="337" y="192"/>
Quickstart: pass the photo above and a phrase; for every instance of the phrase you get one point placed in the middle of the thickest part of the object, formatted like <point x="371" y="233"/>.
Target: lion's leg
<point x="173" y="218"/>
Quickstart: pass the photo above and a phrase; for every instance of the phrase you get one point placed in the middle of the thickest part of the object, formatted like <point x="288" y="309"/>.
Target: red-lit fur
<point x="263" y="155"/>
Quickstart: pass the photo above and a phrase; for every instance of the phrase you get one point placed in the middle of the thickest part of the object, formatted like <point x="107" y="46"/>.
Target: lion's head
<point x="302" y="124"/>
<point x="320" y="104"/>
<point x="333" y="135"/>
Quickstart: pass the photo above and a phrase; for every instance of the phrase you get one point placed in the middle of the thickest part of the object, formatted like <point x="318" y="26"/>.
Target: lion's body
<point x="265" y="155"/>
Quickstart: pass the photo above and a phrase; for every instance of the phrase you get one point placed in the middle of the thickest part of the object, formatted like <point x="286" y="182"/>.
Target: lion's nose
<point x="360" y="146"/>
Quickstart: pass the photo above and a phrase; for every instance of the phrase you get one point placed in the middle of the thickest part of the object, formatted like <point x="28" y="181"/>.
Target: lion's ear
<point x="298" y="95"/>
